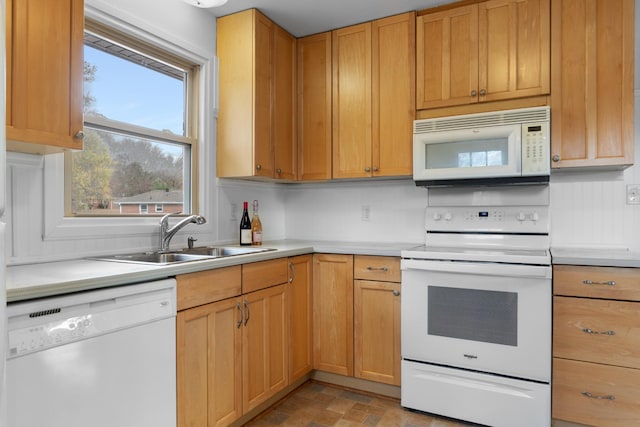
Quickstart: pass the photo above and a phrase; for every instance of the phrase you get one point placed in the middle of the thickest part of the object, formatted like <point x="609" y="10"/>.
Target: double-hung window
<point x="140" y="123"/>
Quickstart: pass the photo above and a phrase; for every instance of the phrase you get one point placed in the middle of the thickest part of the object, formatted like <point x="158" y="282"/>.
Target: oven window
<point x="476" y="315"/>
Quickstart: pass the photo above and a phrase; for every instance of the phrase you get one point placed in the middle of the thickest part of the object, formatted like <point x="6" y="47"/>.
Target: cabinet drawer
<point x="381" y="268"/>
<point x="596" y="395"/>
<point x="208" y="286"/>
<point x="263" y="274"/>
<point x="597" y="282"/>
<point x="601" y="331"/>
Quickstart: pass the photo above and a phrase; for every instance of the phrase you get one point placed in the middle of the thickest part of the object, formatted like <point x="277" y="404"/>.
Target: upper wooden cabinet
<point x="489" y="51"/>
<point x="44" y="75"/>
<point x="314" y="107"/>
<point x="373" y="98"/>
<point x="592" y="98"/>
<point x="256" y="121"/>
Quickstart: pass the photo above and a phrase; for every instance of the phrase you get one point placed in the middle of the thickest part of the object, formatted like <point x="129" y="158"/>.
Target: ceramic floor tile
<point x="317" y="404"/>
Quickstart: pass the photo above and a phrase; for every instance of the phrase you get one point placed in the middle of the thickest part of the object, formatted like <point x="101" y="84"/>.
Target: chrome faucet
<point x="167" y="233"/>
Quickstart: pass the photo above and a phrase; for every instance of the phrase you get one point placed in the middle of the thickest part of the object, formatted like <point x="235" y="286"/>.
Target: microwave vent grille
<point x="470" y="121"/>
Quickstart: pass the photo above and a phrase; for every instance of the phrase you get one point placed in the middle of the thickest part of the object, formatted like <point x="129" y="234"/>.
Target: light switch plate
<point x="633" y="194"/>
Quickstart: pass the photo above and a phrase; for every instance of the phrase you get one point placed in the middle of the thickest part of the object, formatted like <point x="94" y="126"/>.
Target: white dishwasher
<point x="101" y="358"/>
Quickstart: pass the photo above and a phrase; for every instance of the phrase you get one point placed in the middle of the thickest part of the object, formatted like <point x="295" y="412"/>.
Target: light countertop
<point x="46" y="279"/>
<point x="595" y="257"/>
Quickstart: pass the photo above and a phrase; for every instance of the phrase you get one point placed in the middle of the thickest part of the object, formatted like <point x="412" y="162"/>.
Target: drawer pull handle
<point x="593" y="396"/>
<point x="591" y="331"/>
<point x="608" y="283"/>
<point x="377" y="268"/>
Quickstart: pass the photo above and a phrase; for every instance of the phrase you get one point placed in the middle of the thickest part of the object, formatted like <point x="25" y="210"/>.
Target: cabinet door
<point x="265" y="345"/>
<point x="314" y="107"/>
<point x="377" y="331"/>
<point x="333" y="313"/>
<point x="513" y="49"/>
<point x="352" y="101"/>
<point x="592" y="99"/>
<point x="44" y="73"/>
<point x="209" y="364"/>
<point x="393" y="96"/>
<point x="447" y="58"/>
<point x="301" y="317"/>
<point x="262" y="103"/>
<point x="284" y="104"/>
<point x="235" y="127"/>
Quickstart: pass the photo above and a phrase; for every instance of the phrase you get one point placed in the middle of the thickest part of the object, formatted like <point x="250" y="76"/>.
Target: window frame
<point x="58" y="227"/>
<point x="190" y="137"/>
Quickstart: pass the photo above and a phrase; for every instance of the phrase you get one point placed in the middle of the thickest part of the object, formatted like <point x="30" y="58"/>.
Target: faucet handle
<point x="190" y="241"/>
<point x="165" y="218"/>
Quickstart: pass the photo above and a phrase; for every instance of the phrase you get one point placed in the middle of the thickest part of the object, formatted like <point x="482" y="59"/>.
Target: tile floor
<point x="317" y="404"/>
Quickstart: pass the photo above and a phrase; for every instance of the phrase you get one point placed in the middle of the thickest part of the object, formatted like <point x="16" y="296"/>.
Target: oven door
<point x="487" y="317"/>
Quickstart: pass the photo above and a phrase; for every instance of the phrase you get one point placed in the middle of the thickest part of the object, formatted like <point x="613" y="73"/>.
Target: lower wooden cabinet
<point x="232" y="352"/>
<point x="209" y="364"/>
<point x="300" y="317"/>
<point x="333" y="313"/>
<point x="376" y="321"/>
<point x="596" y="345"/>
<point x="377" y="331"/>
<point x="357" y="322"/>
<point x="265" y="363"/>
<point x="595" y="394"/>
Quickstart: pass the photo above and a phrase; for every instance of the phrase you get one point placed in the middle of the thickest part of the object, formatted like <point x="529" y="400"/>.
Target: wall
<point x="588" y="208"/>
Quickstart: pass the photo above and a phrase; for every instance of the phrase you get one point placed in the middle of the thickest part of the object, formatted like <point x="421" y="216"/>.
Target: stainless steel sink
<point x="155" y="258"/>
<point x="224" y="251"/>
<point x="182" y="255"/>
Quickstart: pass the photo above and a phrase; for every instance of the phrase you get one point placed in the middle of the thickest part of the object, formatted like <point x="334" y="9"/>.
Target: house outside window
<point x="140" y="121"/>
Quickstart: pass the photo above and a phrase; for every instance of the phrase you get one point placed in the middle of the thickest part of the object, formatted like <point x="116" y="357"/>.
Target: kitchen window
<point x="140" y="126"/>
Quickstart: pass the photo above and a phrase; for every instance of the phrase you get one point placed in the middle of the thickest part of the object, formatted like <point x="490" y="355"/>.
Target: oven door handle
<point x="483" y="268"/>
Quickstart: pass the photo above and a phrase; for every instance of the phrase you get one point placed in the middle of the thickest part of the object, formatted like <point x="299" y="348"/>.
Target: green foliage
<point x="92" y="169"/>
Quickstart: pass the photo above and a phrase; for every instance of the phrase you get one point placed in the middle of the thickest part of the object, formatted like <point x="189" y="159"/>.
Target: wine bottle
<point x="245" y="226"/>
<point x="256" y="226"/>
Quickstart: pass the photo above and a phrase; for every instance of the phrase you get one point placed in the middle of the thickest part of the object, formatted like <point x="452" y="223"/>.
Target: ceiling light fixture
<point x="206" y="3"/>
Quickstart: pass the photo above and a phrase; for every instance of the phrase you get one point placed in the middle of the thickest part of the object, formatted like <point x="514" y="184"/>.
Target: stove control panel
<point x="509" y="219"/>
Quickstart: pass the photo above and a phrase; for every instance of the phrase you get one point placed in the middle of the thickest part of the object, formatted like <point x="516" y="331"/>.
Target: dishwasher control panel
<point x="40" y="325"/>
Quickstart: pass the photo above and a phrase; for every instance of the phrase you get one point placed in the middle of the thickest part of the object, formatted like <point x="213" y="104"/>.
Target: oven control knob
<point x="437" y="216"/>
<point x="521" y="216"/>
<point x="534" y="217"/>
<point x="448" y="216"/>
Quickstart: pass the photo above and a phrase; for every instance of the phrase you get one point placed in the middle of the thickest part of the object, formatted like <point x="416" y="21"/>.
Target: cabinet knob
<point x="555" y="158"/>
<point x="367" y="169"/>
<point x="474" y="93"/>
<point x="396" y="293"/>
<point x="259" y="167"/>
<point x="278" y="171"/>
<point x="375" y="169"/>
<point x="483" y="92"/>
<point x="79" y="135"/>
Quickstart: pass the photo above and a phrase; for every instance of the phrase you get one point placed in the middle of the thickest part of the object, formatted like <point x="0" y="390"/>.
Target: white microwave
<point x="500" y="147"/>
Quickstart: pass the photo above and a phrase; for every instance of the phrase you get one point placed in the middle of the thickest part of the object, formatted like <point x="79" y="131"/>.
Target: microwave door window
<point x="467" y="154"/>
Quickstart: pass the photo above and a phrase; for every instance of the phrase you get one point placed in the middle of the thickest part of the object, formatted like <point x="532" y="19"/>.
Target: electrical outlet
<point x="366" y="212"/>
<point x="633" y="194"/>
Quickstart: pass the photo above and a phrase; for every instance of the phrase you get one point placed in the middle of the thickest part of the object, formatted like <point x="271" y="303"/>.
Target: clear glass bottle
<point x="245" y="226"/>
<point x="256" y="226"/>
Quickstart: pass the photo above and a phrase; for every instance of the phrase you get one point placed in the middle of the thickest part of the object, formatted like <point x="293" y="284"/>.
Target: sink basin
<point x="155" y="258"/>
<point x="224" y="251"/>
<point x="183" y="255"/>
